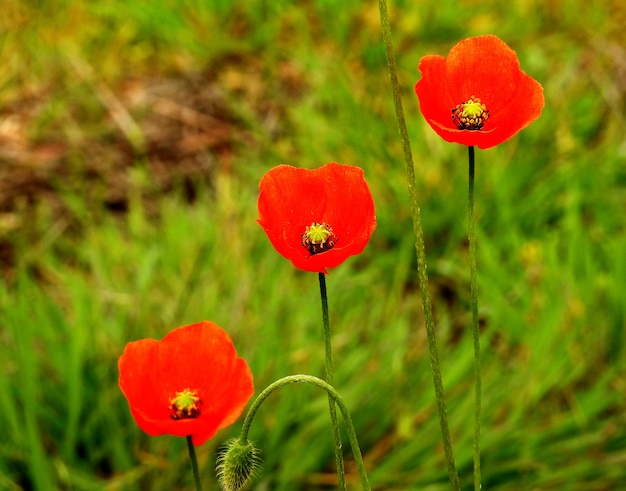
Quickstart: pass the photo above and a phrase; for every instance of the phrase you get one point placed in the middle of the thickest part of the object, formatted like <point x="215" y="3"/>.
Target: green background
<point x="133" y="136"/>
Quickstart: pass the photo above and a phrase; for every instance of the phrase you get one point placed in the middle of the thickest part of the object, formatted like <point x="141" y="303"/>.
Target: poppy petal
<point x="291" y="199"/>
<point x="433" y="93"/>
<point x="482" y="67"/>
<point x="199" y="357"/>
<point x="526" y="104"/>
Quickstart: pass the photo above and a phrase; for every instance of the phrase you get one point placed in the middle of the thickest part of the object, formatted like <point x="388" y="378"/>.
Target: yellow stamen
<point x="318" y="237"/>
<point x="470" y="115"/>
<point x="185" y="405"/>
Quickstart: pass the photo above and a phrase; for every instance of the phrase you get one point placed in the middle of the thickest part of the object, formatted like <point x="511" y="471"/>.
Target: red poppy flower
<point x="316" y="218"/>
<point x="477" y="95"/>
<point x="191" y="383"/>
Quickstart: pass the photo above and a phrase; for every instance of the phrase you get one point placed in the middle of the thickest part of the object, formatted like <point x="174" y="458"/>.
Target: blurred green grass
<point x="117" y="224"/>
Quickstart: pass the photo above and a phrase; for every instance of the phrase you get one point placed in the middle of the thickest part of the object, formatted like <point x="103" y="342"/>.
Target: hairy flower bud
<point x="237" y="465"/>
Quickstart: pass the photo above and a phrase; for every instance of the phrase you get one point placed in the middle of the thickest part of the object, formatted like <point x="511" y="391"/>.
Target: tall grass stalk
<point x="419" y="246"/>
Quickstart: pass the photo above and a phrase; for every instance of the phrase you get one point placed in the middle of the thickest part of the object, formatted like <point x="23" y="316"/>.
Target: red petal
<point x="484" y="67"/>
<point x="199" y="357"/>
<point x="292" y="198"/>
<point x="523" y="108"/>
<point x="136" y="378"/>
<point x="286" y="208"/>
<point x="434" y="94"/>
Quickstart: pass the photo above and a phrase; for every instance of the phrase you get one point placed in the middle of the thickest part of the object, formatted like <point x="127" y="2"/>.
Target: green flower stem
<point x="419" y="247"/>
<point x="337" y="399"/>
<point x="471" y="234"/>
<point x="341" y="482"/>
<point x="194" y="464"/>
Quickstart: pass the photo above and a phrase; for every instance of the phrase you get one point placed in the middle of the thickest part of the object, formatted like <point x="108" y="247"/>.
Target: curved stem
<point x="419" y="247"/>
<point x="337" y="399"/>
<point x="194" y="464"/>
<point x="471" y="234"/>
<point x="341" y="482"/>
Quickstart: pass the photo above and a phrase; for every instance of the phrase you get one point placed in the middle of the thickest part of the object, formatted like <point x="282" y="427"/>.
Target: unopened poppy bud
<point x="238" y="465"/>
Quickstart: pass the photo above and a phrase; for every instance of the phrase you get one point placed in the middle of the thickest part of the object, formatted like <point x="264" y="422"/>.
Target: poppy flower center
<point x="470" y="115"/>
<point x="185" y="405"/>
<point x="318" y="237"/>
